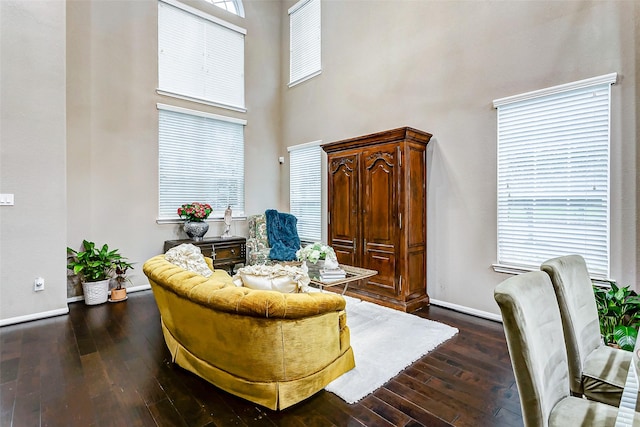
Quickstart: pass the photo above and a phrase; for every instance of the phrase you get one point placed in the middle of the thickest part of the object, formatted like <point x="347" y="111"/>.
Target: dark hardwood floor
<point x="107" y="365"/>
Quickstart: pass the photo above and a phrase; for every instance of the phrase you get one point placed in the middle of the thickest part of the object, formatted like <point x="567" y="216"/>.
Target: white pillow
<point x="281" y="278"/>
<point x="190" y="258"/>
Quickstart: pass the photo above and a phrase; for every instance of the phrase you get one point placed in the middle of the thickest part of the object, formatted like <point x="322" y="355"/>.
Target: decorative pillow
<point x="281" y="278"/>
<point x="190" y="258"/>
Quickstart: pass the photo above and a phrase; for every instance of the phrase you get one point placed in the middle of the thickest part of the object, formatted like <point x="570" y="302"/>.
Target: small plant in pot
<point x="619" y="314"/>
<point x="95" y="266"/>
<point x="119" y="293"/>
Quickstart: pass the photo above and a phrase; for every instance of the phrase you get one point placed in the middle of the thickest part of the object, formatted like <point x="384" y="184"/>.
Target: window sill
<point x="215" y="219"/>
<point x="519" y="269"/>
<point x="304" y="79"/>
<point x="201" y="101"/>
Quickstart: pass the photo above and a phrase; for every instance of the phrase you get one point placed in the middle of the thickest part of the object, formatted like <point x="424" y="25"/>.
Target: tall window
<point x="305" y="189"/>
<point x="553" y="175"/>
<point x="201" y="159"/>
<point x="305" y="41"/>
<point x="200" y="57"/>
<point x="233" y="6"/>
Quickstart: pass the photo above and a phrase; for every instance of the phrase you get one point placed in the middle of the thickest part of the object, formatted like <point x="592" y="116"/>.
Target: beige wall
<point x="32" y="157"/>
<point x="113" y="122"/>
<point x="437" y="66"/>
<point x="90" y="170"/>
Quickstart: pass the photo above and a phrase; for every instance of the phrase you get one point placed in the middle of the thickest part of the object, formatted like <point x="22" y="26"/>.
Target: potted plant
<point x="321" y="256"/>
<point x="119" y="293"/>
<point x="95" y="268"/>
<point x="619" y="314"/>
<point x="195" y="215"/>
<point x="315" y="252"/>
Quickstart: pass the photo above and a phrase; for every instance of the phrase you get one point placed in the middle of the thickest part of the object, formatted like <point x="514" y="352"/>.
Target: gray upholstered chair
<point x="595" y="369"/>
<point x="533" y="329"/>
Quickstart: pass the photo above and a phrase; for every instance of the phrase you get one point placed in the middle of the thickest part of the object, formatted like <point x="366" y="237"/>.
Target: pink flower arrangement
<point x="195" y="211"/>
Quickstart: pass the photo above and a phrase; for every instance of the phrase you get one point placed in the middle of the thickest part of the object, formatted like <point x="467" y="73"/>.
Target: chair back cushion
<point x="533" y="329"/>
<point x="258" y="230"/>
<point x="577" y="302"/>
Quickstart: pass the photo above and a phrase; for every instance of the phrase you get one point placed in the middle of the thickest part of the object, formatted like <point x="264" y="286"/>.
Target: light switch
<point x="6" y="199"/>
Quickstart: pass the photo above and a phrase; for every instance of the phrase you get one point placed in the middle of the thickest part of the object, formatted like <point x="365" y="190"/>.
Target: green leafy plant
<point x="314" y="252"/>
<point x="619" y="313"/>
<point x="93" y="264"/>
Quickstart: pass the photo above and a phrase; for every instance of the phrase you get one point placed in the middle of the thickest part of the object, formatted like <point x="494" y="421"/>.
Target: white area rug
<point x="384" y="341"/>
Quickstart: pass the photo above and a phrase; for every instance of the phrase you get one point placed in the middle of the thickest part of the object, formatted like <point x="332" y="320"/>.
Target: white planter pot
<point x="96" y="292"/>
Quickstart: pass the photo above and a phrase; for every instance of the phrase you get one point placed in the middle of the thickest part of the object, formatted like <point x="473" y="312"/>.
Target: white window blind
<point x="305" y="189"/>
<point x="553" y="175"/>
<point x="201" y="159"/>
<point x="305" y="41"/>
<point x="200" y="57"/>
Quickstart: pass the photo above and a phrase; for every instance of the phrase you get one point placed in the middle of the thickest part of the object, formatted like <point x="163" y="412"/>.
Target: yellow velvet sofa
<point x="271" y="348"/>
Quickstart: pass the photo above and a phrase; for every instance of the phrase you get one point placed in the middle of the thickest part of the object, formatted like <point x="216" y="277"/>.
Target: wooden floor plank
<point x="7" y="401"/>
<point x="108" y="365"/>
<point x="165" y="414"/>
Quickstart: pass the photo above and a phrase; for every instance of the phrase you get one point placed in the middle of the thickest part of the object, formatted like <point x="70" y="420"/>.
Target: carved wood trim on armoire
<point x="377" y="191"/>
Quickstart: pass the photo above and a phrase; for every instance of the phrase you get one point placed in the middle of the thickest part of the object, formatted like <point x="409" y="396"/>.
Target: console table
<point x="225" y="252"/>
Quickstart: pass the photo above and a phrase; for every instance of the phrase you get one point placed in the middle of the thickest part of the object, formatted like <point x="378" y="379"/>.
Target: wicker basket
<point x="96" y="292"/>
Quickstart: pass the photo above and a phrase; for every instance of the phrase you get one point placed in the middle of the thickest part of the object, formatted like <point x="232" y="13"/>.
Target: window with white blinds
<point x="553" y="175"/>
<point x="201" y="159"/>
<point x="200" y="57"/>
<point x="305" y="42"/>
<point x="305" y="189"/>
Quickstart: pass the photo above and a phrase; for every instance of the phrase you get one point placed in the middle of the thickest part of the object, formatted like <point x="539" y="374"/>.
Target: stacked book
<point x="329" y="274"/>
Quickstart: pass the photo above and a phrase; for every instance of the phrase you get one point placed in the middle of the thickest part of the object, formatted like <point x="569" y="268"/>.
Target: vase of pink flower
<point x="195" y="215"/>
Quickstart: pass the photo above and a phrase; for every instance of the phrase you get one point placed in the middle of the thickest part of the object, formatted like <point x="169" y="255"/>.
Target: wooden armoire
<point x="377" y="190"/>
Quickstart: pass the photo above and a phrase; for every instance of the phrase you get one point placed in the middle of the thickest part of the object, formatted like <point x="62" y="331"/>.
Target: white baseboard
<point x="467" y="310"/>
<point x="130" y="289"/>
<point x="34" y="316"/>
<point x="138" y="288"/>
<point x="60" y="311"/>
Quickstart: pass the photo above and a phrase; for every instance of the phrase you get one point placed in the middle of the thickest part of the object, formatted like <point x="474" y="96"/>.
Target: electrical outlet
<point x="6" y="199"/>
<point x="38" y="284"/>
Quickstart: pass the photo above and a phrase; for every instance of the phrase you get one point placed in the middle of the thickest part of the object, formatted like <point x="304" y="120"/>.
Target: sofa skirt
<point x="274" y="395"/>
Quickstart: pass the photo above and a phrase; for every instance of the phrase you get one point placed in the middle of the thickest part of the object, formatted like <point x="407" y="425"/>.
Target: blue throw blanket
<point x="282" y="232"/>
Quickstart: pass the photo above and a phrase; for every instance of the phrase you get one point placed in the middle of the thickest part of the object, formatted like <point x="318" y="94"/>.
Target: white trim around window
<point x="231" y="6"/>
<point x="200" y="159"/>
<point x="305" y="189"/>
<point x="554" y="176"/>
<point x="176" y="109"/>
<point x="200" y="57"/>
<point x="305" y="41"/>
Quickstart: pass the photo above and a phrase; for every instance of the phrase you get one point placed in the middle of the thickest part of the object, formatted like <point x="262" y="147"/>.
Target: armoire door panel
<point x="343" y="212"/>
<point x="344" y="250"/>
<point x="385" y="264"/>
<point x="379" y="212"/>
